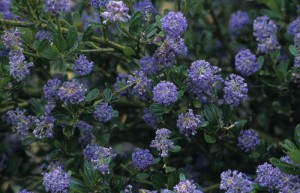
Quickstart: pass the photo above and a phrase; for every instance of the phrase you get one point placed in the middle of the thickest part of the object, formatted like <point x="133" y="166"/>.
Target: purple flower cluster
<point x="56" y="181"/>
<point x="237" y="22"/>
<point x="150" y="119"/>
<point x="98" y="3"/>
<point x="162" y="142"/>
<point x="248" y="139"/>
<point x="4" y="9"/>
<point x="188" y="123"/>
<point x="44" y="127"/>
<point x="235" y="90"/>
<point x="142" y="158"/>
<point x="274" y="179"/>
<point x="82" y="66"/>
<point x="19" y="121"/>
<point x="72" y="92"/>
<point x="145" y="6"/>
<point x="148" y="65"/>
<point x="85" y="133"/>
<point x="42" y="34"/>
<point x="186" y="186"/>
<point x="294" y="27"/>
<point x="203" y="79"/>
<point x="12" y="39"/>
<point x="265" y="33"/>
<point x="116" y="11"/>
<point x="51" y="88"/>
<point x="297" y="40"/>
<point x="19" y="67"/>
<point x="297" y="62"/>
<point x="103" y="112"/>
<point x="245" y="63"/>
<point x="57" y="6"/>
<point x="234" y="181"/>
<point x="24" y="191"/>
<point x="99" y="156"/>
<point x="142" y="84"/>
<point x="165" y="93"/>
<point x="174" y="24"/>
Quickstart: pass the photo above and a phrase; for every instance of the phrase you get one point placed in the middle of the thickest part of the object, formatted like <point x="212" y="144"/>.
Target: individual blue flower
<point x="165" y="93"/>
<point x="162" y="142"/>
<point x="297" y="62"/>
<point x="142" y="158"/>
<point x="174" y="23"/>
<point x="12" y="40"/>
<point x="248" y="139"/>
<point x="57" y="6"/>
<point x="72" y="92"/>
<point x="19" y="67"/>
<point x="263" y="28"/>
<point x="203" y="80"/>
<point x="268" y="45"/>
<point x="51" y="88"/>
<point x="116" y="11"/>
<point x="294" y="26"/>
<point x="186" y="186"/>
<point x="235" y="90"/>
<point x="150" y="119"/>
<point x="188" y="123"/>
<point x="237" y="22"/>
<point x="142" y="84"/>
<point x="148" y="65"/>
<point x="98" y="3"/>
<point x="19" y="121"/>
<point x="42" y="34"/>
<point x="44" y="127"/>
<point x="121" y="82"/>
<point x="103" y="112"/>
<point x="145" y="6"/>
<point x="82" y="66"/>
<point x="235" y="182"/>
<point x="99" y="156"/>
<point x="56" y="181"/>
<point x="246" y="63"/>
<point x="86" y="134"/>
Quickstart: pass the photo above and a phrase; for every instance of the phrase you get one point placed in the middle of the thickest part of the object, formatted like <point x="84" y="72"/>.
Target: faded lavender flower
<point x="294" y="26"/>
<point x="116" y="11"/>
<point x="162" y="142"/>
<point x="19" y="67"/>
<point x="44" y="127"/>
<point x="188" y="123"/>
<point x="19" y="121"/>
<point x="142" y="84"/>
<point x="235" y="182"/>
<point x="174" y="23"/>
<point x="235" y="90"/>
<point x="57" y="6"/>
<point x="150" y="119"/>
<point x="103" y="112"/>
<point x="82" y="66"/>
<point x="148" y="65"/>
<point x="85" y="133"/>
<point x="165" y="93"/>
<point x="246" y="63"/>
<point x="142" y="158"/>
<point x="56" y="181"/>
<point x="72" y="92"/>
<point x="51" y="88"/>
<point x="12" y="40"/>
<point x="248" y="139"/>
<point x="237" y="22"/>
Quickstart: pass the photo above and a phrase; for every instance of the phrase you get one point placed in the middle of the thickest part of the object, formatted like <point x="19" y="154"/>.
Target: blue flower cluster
<point x="237" y="23"/>
<point x="162" y="142"/>
<point x="145" y="6"/>
<point x="142" y="158"/>
<point x="248" y="139"/>
<point x="142" y="84"/>
<point x="85" y="133"/>
<point x="56" y="181"/>
<point x="174" y="24"/>
<point x="57" y="6"/>
<point x="98" y="3"/>
<point x="116" y="11"/>
<point x="294" y="27"/>
<point x="72" y="92"/>
<point x="186" y="186"/>
<point x="19" y="121"/>
<point x="188" y="123"/>
<point x="234" y="181"/>
<point x="150" y="119"/>
<point x="4" y="9"/>
<point x="82" y="66"/>
<point x="149" y="65"/>
<point x="165" y="93"/>
<point x="44" y="127"/>
<point x="245" y="63"/>
<point x="235" y="90"/>
<point x="103" y="112"/>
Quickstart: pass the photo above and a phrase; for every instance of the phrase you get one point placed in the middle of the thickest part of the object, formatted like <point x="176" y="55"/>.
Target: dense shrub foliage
<point x="184" y="96"/>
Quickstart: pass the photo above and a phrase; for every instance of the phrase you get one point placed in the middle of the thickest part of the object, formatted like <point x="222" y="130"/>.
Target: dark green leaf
<point x="68" y="131"/>
<point x="289" y="146"/>
<point x="158" y="181"/>
<point x="78" y="185"/>
<point x="157" y="109"/>
<point x="293" y="50"/>
<point x="128" y="51"/>
<point x="142" y="176"/>
<point x="92" y="94"/>
<point x="285" y="167"/>
<point x="72" y="37"/>
<point x="60" y="42"/>
<point x="294" y="155"/>
<point x="177" y="148"/>
<point x="59" y="66"/>
<point x="89" y="32"/>
<point x="209" y="139"/>
<point x="36" y="106"/>
<point x="107" y="94"/>
<point x="90" y="173"/>
<point x="115" y="113"/>
<point x="297" y="135"/>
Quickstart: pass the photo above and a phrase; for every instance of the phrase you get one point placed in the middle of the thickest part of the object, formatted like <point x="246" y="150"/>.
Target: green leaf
<point x="142" y="176"/>
<point x="209" y="139"/>
<point x="260" y="60"/>
<point x="135" y="23"/>
<point x="158" y="181"/>
<point x="182" y="177"/>
<point x="92" y="95"/>
<point x="89" y="32"/>
<point x="177" y="148"/>
<point x="157" y="109"/>
<point x="128" y="51"/>
<point x="90" y="174"/>
<point x="289" y="146"/>
<point x="212" y="114"/>
<point x="68" y="131"/>
<point x="293" y="50"/>
<point x="29" y="140"/>
<point x="57" y="144"/>
<point x="107" y="94"/>
<point x="285" y="167"/>
<point x="294" y="155"/>
<point x="297" y="135"/>
<point x="59" y="66"/>
<point x="60" y="42"/>
<point x="180" y="94"/>
<point x="170" y="169"/>
<point x="115" y="113"/>
<point x="36" y="106"/>
<point x="4" y="82"/>
<point x="78" y="185"/>
<point x="45" y="50"/>
<point x="72" y="37"/>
